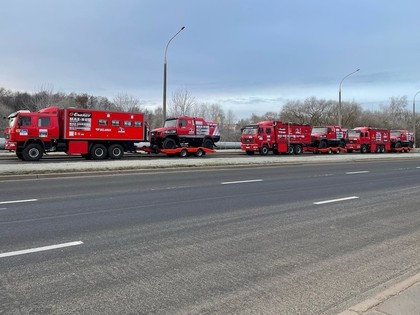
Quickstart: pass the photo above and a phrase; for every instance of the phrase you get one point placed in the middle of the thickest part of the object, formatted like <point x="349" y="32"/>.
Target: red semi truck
<point x="275" y="136"/>
<point x="367" y="139"/>
<point x="94" y="134"/>
<point x="327" y="139"/>
<point x="401" y="141"/>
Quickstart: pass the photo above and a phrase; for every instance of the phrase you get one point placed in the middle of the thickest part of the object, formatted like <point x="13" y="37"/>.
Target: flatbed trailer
<point x="181" y="151"/>
<point x="328" y="150"/>
<point x="401" y="149"/>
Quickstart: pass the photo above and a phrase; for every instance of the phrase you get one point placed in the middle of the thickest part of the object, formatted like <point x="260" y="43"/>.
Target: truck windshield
<point x="353" y="133"/>
<point x="249" y="131"/>
<point x="395" y="133"/>
<point x="170" y="123"/>
<point x="319" y="130"/>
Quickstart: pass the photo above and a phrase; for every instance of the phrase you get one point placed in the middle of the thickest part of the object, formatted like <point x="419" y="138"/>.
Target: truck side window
<point x="24" y="121"/>
<point x="44" y="122"/>
<point x="268" y="131"/>
<point x="182" y="123"/>
<point x="329" y="130"/>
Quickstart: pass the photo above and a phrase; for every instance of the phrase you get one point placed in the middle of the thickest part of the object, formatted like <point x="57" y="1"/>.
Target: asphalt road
<point x="312" y="239"/>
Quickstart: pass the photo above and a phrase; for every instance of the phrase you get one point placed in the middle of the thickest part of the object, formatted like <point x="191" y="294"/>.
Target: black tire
<point x="323" y="145"/>
<point x="298" y="149"/>
<point x="199" y="153"/>
<point x="169" y="143"/>
<point x="250" y="152"/>
<point x="19" y="155"/>
<point x="183" y="153"/>
<point x="208" y="144"/>
<point x="98" y="152"/>
<point x="32" y="152"/>
<point x="342" y="144"/>
<point x="264" y="150"/>
<point x="291" y="150"/>
<point x="363" y="148"/>
<point x="116" y="151"/>
<point x="398" y="145"/>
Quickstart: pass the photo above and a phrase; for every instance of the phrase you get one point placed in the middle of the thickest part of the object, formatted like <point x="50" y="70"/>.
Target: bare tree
<point x="182" y="103"/>
<point x="128" y="103"/>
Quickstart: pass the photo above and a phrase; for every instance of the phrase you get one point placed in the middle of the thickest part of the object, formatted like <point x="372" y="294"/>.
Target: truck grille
<point x="247" y="140"/>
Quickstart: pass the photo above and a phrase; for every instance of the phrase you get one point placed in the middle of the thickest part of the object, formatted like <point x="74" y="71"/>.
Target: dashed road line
<point x="357" y="172"/>
<point x="335" y="200"/>
<point x="17" y="201"/>
<point x="242" y="181"/>
<point x="39" y="249"/>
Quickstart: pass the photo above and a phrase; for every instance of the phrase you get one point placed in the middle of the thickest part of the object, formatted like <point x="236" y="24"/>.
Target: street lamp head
<point x="182" y="28"/>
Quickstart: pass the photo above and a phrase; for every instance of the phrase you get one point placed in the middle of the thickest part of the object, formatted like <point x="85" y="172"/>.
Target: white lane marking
<point x="418" y="167"/>
<point x="17" y="201"/>
<point x="357" y="172"/>
<point x="39" y="249"/>
<point x="242" y="181"/>
<point x="335" y="200"/>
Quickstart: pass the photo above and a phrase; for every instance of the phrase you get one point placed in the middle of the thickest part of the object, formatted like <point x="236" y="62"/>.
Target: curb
<point x="370" y="303"/>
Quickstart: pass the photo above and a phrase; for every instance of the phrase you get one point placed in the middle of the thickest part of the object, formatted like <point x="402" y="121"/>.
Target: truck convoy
<point x="275" y="136"/>
<point x="97" y="135"/>
<point x="367" y="139"/>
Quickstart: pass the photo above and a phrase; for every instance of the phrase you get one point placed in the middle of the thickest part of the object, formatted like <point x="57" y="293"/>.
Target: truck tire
<point x="363" y="148"/>
<point x="199" y="153"/>
<point x="291" y="150"/>
<point x="207" y="143"/>
<point x="264" y="150"/>
<point x="323" y="145"/>
<point x="169" y="143"/>
<point x="116" y="151"/>
<point x="298" y="149"/>
<point x="183" y="153"/>
<point x="32" y="152"/>
<point x="98" y="152"/>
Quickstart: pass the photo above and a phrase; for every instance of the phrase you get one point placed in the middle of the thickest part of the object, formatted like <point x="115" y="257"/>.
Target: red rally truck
<point x="367" y="139"/>
<point x="275" y="136"/>
<point x="327" y="139"/>
<point x="183" y="132"/>
<point x="401" y="141"/>
<point x="93" y="134"/>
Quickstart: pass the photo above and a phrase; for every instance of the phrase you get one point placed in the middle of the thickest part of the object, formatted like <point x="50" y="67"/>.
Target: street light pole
<point x="164" y="76"/>
<point x="339" y="97"/>
<point x="414" y="119"/>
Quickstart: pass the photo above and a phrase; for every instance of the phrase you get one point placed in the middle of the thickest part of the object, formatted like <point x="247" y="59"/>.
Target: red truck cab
<point x="367" y="139"/>
<point x="328" y="136"/>
<point x="185" y="131"/>
<point x="275" y="136"/>
<point x="401" y="139"/>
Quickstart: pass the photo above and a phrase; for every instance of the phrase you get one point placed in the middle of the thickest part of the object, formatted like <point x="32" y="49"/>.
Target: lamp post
<point x="164" y="76"/>
<point x="414" y="119"/>
<point x="339" y="97"/>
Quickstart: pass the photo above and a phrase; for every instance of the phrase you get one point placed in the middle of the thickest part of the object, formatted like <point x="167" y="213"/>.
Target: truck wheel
<point x="363" y="149"/>
<point x="250" y="152"/>
<point x="322" y="145"/>
<point x="398" y="145"/>
<point x="199" y="153"/>
<point x="342" y="144"/>
<point x="116" y="151"/>
<point x="32" y="152"/>
<point x="208" y="144"/>
<point x="183" y="153"/>
<point x="169" y="143"/>
<point x="98" y="152"/>
<point x="264" y="150"/>
<point x="291" y="150"/>
<point x="19" y="155"/>
<point x="298" y="149"/>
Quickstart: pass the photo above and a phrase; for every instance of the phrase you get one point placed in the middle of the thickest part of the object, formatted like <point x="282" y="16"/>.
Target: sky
<point x="248" y="56"/>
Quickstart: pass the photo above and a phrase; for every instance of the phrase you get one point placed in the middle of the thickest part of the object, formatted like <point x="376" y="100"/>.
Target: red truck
<point x="275" y="136"/>
<point x="367" y="139"/>
<point x="401" y="141"/>
<point x="185" y="131"/>
<point x="327" y="139"/>
<point x="93" y="134"/>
